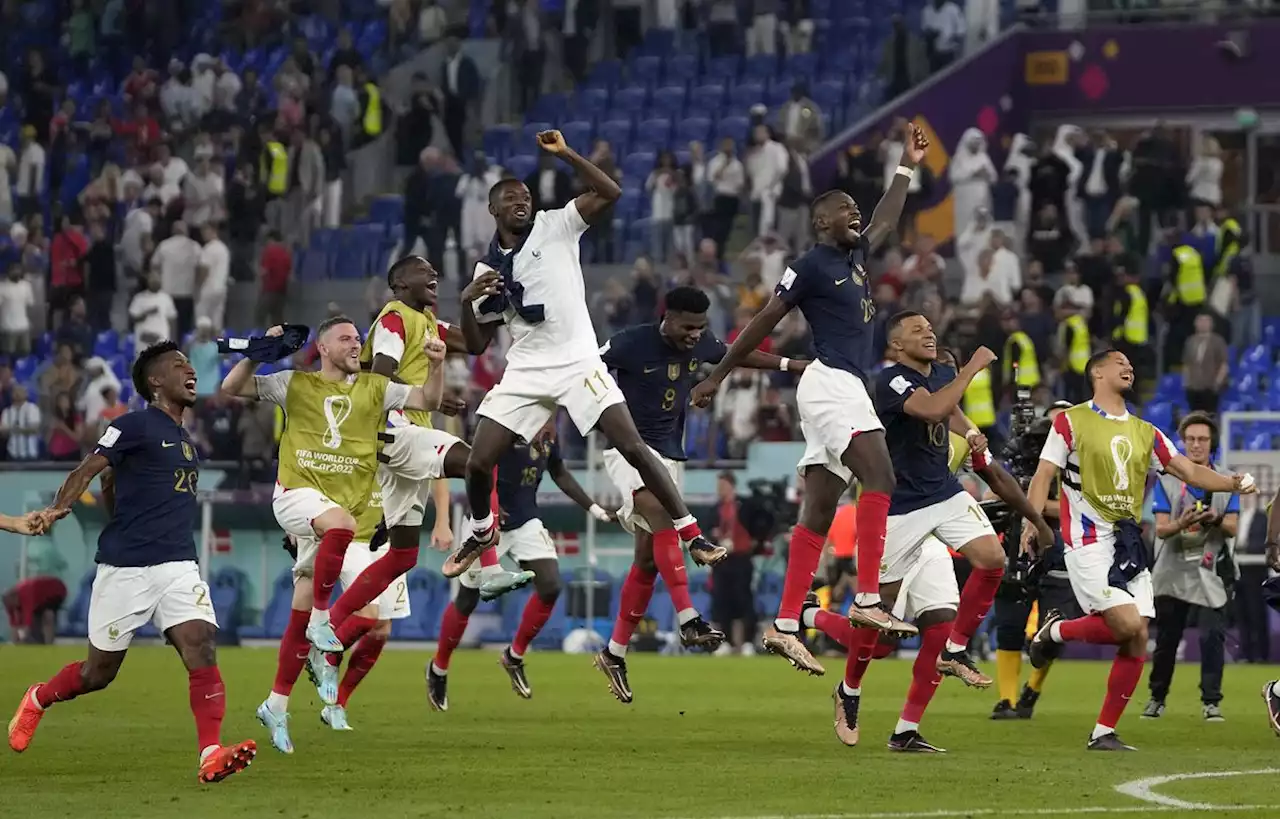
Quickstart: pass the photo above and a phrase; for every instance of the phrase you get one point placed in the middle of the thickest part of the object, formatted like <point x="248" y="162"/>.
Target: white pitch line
<point x="954" y="814"/>
<point x="1144" y="789"/>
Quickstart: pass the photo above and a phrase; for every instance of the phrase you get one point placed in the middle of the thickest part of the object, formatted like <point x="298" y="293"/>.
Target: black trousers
<point x="731" y="597"/>
<point x="1172" y="618"/>
<point x="1011" y="614"/>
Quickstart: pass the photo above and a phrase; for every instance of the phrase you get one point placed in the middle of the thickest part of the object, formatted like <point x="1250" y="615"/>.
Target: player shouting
<point x="918" y="399"/>
<point x="657" y="365"/>
<point x="843" y="437"/>
<point x="532" y="281"/>
<point x="147" y="570"/>
<point x="328" y="457"/>
<point x="1104" y="455"/>
<point x="525" y="539"/>
<point x="416" y="454"/>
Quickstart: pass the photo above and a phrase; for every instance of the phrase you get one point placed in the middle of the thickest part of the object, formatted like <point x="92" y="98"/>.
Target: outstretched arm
<point x="885" y="218"/>
<point x="573" y="490"/>
<point x="602" y="191"/>
<point x="1008" y="490"/>
<point x="756" y="331"/>
<point x="1182" y="468"/>
<point x="477" y="335"/>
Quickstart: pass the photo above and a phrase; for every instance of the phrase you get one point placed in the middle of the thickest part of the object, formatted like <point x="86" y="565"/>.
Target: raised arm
<point x="939" y="406"/>
<point x="601" y="190"/>
<point x="1008" y="490"/>
<point x="427" y="396"/>
<point x="885" y="218"/>
<point x="240" y="380"/>
<point x="756" y="331"/>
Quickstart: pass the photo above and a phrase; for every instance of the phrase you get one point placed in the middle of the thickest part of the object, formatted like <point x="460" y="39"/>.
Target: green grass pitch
<point x="707" y="738"/>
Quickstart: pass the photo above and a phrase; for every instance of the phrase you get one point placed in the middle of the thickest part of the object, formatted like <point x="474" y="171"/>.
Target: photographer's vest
<point x="1028" y="365"/>
<point x="979" y="404"/>
<point x="1113" y="457"/>
<point x="372" y="121"/>
<point x="1073" y="336"/>
<point x="1189" y="285"/>
<point x="1136" y="327"/>
<point x="1229" y="234"/>
<point x="273" y="169"/>
<point x="1186" y="564"/>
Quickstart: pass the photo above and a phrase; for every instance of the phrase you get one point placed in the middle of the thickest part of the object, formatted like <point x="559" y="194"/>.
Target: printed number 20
<point x="184" y="480"/>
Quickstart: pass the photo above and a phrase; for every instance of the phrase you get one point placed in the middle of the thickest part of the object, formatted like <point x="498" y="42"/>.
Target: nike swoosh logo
<point x="212" y="696"/>
<point x="167" y="444"/>
<point x="637" y="614"/>
<point x="648" y="370"/>
<point x="841" y="281"/>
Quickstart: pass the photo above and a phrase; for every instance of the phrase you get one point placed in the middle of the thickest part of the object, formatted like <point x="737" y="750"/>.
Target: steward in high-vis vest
<point x="979" y="402"/>
<point x="273" y="167"/>
<point x="1230" y="240"/>
<point x="1074" y="349"/>
<point x="373" y="111"/>
<point x="1021" y="350"/>
<point x="1131" y="325"/>
<point x="1186" y="292"/>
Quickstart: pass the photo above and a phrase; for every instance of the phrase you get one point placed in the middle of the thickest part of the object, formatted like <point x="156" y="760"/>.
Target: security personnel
<point x="1230" y="240"/>
<point x="1194" y="571"/>
<point x="1014" y="608"/>
<point x="1074" y="349"/>
<point x="371" y="107"/>
<point x="1186" y="292"/>
<point x="1021" y="350"/>
<point x="1131" y="320"/>
<point x="273" y="166"/>
<point x="979" y="403"/>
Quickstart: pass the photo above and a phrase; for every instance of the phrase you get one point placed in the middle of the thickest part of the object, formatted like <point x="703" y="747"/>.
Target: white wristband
<point x="903" y="170"/>
<point x="968" y="436"/>
<point x="783" y="363"/>
<point x="597" y="512"/>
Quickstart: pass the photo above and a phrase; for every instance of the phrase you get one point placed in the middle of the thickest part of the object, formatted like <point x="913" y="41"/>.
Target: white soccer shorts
<point x="125" y="598"/>
<point x="528" y="542"/>
<point x="930" y="584"/>
<point x="955" y="521"/>
<point x="525" y="400"/>
<point x="295" y="509"/>
<point x="412" y="460"/>
<point x="393" y="604"/>
<point x="1088" y="567"/>
<point x="628" y="482"/>
<point x="834" y="407"/>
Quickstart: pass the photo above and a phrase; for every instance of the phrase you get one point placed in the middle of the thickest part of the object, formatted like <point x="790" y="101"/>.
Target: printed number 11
<point x="591" y="382"/>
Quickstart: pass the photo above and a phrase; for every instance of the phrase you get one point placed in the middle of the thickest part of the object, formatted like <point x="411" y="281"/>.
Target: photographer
<point x="1194" y="571"/>
<point x="1044" y="586"/>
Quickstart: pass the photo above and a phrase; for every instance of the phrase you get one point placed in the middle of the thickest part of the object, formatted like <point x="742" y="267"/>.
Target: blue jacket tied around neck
<point x="512" y="294"/>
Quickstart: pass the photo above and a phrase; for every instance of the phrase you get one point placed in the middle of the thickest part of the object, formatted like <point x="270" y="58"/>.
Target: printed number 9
<point x="868" y="311"/>
<point x="185" y="480"/>
<point x="669" y="399"/>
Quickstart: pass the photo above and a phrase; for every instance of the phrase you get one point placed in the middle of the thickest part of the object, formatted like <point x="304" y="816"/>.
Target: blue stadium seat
<point x="681" y="68"/>
<point x="693" y="129"/>
<point x="655" y="133"/>
<point x="497" y="140"/>
<point x="577" y="133"/>
<point x="553" y="633"/>
<point x="744" y="95"/>
<point x="760" y="67"/>
<point x="424" y="609"/>
<point x="669" y="101"/>
<point x="591" y="101"/>
<point x="617" y="132"/>
<point x="529" y="132"/>
<point x="606" y="74"/>
<point x="77" y="618"/>
<point x="662" y="611"/>
<point x="276" y="616"/>
<point x="828" y="94"/>
<point x="521" y="165"/>
<point x="735" y="128"/>
<point x="387" y="210"/>
<point x="106" y="344"/>
<point x="646" y="70"/>
<point x="721" y="69"/>
<point x="707" y="100"/>
<point x="24" y="369"/>
<point x="1256" y="359"/>
<point x="629" y="101"/>
<point x="803" y="65"/>
<point x="638" y="165"/>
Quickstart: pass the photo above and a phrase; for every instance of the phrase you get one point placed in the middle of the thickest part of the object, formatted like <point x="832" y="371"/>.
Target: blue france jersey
<point x="831" y="289"/>
<point x="156" y="471"/>
<point x="520" y="472"/>
<point x="656" y="379"/>
<point x="920" y="449"/>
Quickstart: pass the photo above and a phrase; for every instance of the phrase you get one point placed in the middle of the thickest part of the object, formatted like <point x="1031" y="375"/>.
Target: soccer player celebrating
<point x="147" y="570"/>
<point x="1271" y="691"/>
<point x="532" y="281"/>
<point x="843" y="436"/>
<point x="525" y="539"/>
<point x="416" y="454"/>
<point x="328" y="457"/>
<point x="1104" y="454"/>
<point x="657" y="365"/>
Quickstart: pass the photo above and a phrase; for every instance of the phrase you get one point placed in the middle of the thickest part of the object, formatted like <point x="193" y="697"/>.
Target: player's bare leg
<point x="663" y="550"/>
<point x="867" y="457"/>
<point x="453" y="624"/>
<point x="490" y="442"/>
<point x="986" y="556"/>
<point x="547" y="586"/>
<point x="95" y="673"/>
<point x="822" y="493"/>
<point x="618" y="427"/>
<point x="196" y="643"/>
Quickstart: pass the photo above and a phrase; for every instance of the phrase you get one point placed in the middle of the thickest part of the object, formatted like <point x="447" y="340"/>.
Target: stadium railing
<point x="1246" y="441"/>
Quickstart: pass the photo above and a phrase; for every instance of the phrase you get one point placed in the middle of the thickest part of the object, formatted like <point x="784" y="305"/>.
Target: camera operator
<point x="1044" y="587"/>
<point x="733" y="606"/>
<point x="1194" y="571"/>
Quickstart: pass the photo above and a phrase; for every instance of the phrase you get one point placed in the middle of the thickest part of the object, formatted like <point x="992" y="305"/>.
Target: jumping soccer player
<point x="147" y="570"/>
<point x="657" y="365"/>
<point x="1271" y="691"/>
<point x="328" y="457"/>
<point x="1104" y="454"/>
<point x="525" y="539"/>
<point x="918" y="399"/>
<point x="416" y="453"/>
<point x="843" y="436"/>
<point x="532" y="281"/>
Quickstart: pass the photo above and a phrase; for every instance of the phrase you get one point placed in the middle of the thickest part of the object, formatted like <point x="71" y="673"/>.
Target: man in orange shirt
<point x="841" y="541"/>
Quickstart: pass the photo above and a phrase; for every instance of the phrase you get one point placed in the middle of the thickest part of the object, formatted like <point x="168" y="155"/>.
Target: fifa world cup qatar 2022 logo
<point x="337" y="408"/>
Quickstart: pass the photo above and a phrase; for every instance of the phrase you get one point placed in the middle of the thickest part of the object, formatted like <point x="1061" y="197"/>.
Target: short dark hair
<point x="500" y="185"/>
<point x="142" y="367"/>
<point x="1198" y="417"/>
<point x="330" y="323"/>
<point x="823" y="198"/>
<point x="897" y="318"/>
<point x="686" y="299"/>
<point x="402" y="264"/>
<point x="726" y="475"/>
<point x="1096" y="359"/>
